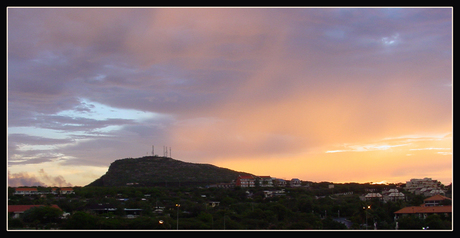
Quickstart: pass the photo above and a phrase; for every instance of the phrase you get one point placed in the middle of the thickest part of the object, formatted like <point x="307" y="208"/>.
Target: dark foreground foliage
<point x="312" y="208"/>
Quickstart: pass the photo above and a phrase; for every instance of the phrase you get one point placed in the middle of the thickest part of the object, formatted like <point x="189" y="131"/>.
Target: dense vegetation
<point x="316" y="207"/>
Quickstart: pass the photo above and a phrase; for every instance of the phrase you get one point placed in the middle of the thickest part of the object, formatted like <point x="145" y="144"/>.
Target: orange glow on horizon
<point x="392" y="164"/>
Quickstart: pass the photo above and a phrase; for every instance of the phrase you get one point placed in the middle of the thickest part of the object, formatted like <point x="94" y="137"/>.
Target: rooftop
<point x="420" y="209"/>
<point x="26" y="189"/>
<point x="437" y="198"/>
<point x="22" y="208"/>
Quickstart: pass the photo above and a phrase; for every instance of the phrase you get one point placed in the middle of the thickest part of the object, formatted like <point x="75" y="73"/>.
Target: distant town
<point x="248" y="202"/>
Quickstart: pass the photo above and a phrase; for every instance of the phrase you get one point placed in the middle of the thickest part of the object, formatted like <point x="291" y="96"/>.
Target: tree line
<point x="315" y="207"/>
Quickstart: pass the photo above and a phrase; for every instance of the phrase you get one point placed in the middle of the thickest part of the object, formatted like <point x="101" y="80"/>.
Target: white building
<point x="280" y="182"/>
<point x="416" y="185"/>
<point x="266" y="181"/>
<point x="371" y="196"/>
<point x="26" y="191"/>
<point x="295" y="182"/>
<point x="393" y="195"/>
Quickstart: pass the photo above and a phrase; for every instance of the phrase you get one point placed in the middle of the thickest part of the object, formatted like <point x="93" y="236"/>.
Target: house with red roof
<point x="437" y="200"/>
<point x="245" y="181"/>
<point x="18" y="210"/>
<point x="423" y="212"/>
<point x="431" y="205"/>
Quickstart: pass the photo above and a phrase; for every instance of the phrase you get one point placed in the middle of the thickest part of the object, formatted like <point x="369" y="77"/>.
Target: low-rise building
<point x="222" y="185"/>
<point x="62" y="191"/>
<point x="17" y="210"/>
<point x="265" y="181"/>
<point x="423" y="211"/>
<point x="437" y="200"/>
<point x="431" y="205"/>
<point x="213" y="203"/>
<point x="26" y="191"/>
<point x="245" y="181"/>
<point x="420" y="186"/>
<point x="393" y="195"/>
<point x="280" y="182"/>
<point x="371" y="196"/>
<point x="295" y="182"/>
<point x="269" y="194"/>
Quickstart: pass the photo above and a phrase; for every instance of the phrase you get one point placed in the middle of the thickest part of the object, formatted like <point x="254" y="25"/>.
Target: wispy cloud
<point x="363" y="148"/>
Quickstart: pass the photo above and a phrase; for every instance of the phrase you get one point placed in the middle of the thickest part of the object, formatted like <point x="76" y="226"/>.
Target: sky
<point x="319" y="94"/>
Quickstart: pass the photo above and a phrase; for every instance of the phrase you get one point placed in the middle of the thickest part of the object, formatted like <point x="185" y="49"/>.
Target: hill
<point x="163" y="171"/>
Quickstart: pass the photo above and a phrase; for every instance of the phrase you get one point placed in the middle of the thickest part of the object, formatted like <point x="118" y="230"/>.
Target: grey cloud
<point x="53" y="180"/>
<point x="36" y="140"/>
<point x="68" y="124"/>
<point x="23" y="179"/>
<point x="191" y="63"/>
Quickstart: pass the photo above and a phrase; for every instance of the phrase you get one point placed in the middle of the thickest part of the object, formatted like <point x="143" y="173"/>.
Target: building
<point x="420" y="186"/>
<point x="265" y="181"/>
<point x="393" y="195"/>
<point x="437" y="200"/>
<point x="213" y="203"/>
<point x="371" y="196"/>
<point x="17" y="210"/>
<point x="245" y="181"/>
<point x="423" y="211"/>
<point x="67" y="191"/>
<point x="428" y="192"/>
<point x="295" y="182"/>
<point x="26" y="191"/>
<point x="431" y="205"/>
<point x="62" y="191"/>
<point x="280" y="182"/>
<point x="269" y="194"/>
<point x="222" y="185"/>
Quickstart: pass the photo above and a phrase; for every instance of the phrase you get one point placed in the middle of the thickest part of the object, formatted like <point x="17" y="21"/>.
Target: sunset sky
<point x="319" y="94"/>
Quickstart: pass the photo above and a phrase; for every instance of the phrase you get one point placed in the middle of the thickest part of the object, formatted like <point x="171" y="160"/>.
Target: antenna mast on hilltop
<point x="153" y="150"/>
<point x="165" y="151"/>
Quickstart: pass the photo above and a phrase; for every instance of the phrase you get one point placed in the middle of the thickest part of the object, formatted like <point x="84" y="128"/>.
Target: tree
<point x="82" y="220"/>
<point x="282" y="213"/>
<point x="410" y="222"/>
<point x="330" y="224"/>
<point x="15" y="223"/>
<point x="434" y="221"/>
<point x="42" y="215"/>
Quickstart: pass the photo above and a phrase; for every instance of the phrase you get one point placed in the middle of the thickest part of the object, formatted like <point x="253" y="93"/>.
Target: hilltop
<point x="163" y="171"/>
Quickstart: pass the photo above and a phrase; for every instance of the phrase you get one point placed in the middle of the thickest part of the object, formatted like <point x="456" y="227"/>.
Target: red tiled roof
<point x="437" y="198"/>
<point x="246" y="177"/>
<point x="423" y="209"/>
<point x="26" y="189"/>
<point x="22" y="208"/>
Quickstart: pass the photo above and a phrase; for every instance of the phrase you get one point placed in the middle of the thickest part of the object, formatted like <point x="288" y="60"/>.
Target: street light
<point x="365" y="211"/>
<point x="161" y="223"/>
<point x="177" y="205"/>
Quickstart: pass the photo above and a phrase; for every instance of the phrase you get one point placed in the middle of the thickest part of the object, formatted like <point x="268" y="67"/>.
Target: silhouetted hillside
<point x="163" y="171"/>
